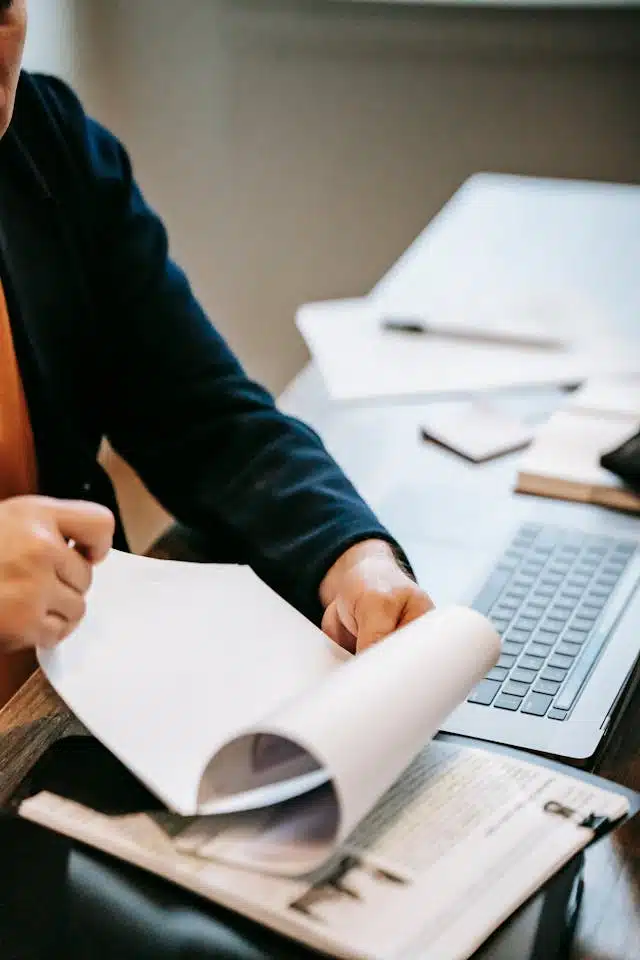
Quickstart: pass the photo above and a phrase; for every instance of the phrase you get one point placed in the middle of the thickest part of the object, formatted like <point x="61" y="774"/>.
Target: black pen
<point x="414" y="325"/>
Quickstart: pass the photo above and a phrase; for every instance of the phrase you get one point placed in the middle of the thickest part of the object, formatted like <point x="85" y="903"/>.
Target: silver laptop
<point x="566" y="602"/>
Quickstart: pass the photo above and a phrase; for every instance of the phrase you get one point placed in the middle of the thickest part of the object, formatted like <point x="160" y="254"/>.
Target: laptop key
<point x="505" y="702"/>
<point x="606" y="581"/>
<point x="530" y="662"/>
<point x="564" y="606"/>
<point x="513" y="646"/>
<point x="551" y="580"/>
<point x="568" y="649"/>
<point x="550" y="687"/>
<point x="558" y="614"/>
<point x="484" y="693"/>
<point x="578" y="627"/>
<point x="595" y="601"/>
<point x="505" y="608"/>
<point x="585" y="614"/>
<point x="570" y="593"/>
<point x="574" y="636"/>
<point x="582" y="669"/>
<point x="555" y="714"/>
<point x="537" y="704"/>
<point x="538" y="649"/>
<point x="523" y="676"/>
<point x="592" y="607"/>
<point x="522" y="581"/>
<point x="553" y="673"/>
<point x="506" y="660"/>
<point x="577" y="581"/>
<point x="498" y="673"/>
<point x="491" y="590"/>
<point x="543" y="593"/>
<point x="516" y="689"/>
<point x="626" y="549"/>
<point x="515" y="593"/>
<point x="561" y="660"/>
<point x="533" y="610"/>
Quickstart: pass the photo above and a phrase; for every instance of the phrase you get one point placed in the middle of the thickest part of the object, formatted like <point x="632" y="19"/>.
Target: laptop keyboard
<point x="547" y="596"/>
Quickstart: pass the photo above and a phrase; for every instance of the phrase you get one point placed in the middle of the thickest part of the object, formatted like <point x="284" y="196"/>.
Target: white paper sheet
<point x="213" y="690"/>
<point x="173" y="659"/>
<point x="359" y="360"/>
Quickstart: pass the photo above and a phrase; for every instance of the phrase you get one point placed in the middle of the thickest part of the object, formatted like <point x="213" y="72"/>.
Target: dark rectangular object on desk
<point x="624" y="462"/>
<point x="61" y="900"/>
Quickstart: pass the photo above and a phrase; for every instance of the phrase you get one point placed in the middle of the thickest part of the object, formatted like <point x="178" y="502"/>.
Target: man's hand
<point x="367" y="595"/>
<point x="43" y="581"/>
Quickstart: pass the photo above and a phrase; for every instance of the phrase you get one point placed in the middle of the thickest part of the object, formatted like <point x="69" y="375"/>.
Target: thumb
<point x="90" y="524"/>
<point x="334" y="628"/>
<point x="377" y="618"/>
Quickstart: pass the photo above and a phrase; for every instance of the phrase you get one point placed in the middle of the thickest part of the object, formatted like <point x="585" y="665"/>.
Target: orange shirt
<point x="18" y="473"/>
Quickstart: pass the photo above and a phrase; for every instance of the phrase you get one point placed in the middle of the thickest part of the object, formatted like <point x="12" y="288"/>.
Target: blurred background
<point x="296" y="147"/>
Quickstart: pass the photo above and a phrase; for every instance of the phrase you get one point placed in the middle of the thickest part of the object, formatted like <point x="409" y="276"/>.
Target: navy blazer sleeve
<point x="208" y="442"/>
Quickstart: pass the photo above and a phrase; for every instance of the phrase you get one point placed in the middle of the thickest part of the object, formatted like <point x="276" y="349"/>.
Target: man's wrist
<point x="353" y="555"/>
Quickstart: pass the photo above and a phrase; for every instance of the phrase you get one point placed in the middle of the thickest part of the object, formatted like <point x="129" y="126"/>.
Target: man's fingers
<point x="89" y="524"/>
<point x="73" y="570"/>
<point x="54" y="629"/>
<point x="334" y="628"/>
<point x="68" y="604"/>
<point x="378" y="615"/>
<point x="416" y="606"/>
<point x="382" y="613"/>
<point x="67" y="609"/>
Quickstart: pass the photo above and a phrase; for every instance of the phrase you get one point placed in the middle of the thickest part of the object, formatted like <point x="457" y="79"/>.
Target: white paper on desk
<point x="359" y="360"/>
<point x="605" y="397"/>
<point x="476" y="429"/>
<point x="211" y="688"/>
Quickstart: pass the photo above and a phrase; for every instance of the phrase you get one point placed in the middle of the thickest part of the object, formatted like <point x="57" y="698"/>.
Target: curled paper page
<point x="362" y="725"/>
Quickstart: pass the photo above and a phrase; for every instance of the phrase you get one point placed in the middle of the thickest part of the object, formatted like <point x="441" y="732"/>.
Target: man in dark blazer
<point x="108" y="341"/>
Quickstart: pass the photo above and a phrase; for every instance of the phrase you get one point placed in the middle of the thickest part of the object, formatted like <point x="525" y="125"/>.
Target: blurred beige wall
<point x="295" y="147"/>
